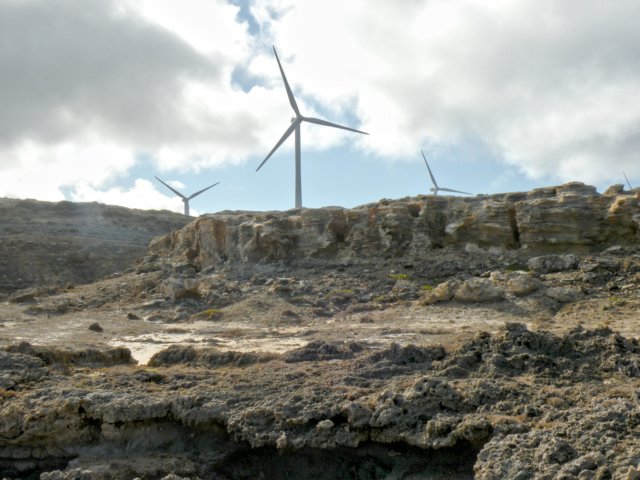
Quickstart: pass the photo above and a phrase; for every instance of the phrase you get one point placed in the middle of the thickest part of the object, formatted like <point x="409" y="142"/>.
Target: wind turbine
<point x="628" y="183"/>
<point x="295" y="127"/>
<point x="185" y="200"/>
<point x="435" y="189"/>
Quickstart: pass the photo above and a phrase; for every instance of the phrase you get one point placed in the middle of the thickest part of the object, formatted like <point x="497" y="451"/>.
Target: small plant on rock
<point x="399" y="276"/>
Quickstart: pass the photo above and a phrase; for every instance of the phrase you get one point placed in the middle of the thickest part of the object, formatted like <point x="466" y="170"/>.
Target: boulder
<point x="521" y="284"/>
<point x="443" y="292"/>
<point x="553" y="263"/>
<point x="562" y="294"/>
<point x="478" y="290"/>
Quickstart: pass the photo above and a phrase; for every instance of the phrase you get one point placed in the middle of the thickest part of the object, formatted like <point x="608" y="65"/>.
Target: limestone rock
<point x="562" y="294"/>
<point x="547" y="220"/>
<point x="478" y="290"/>
<point x="553" y="263"/>
<point x="443" y="292"/>
<point x="614" y="190"/>
<point x="521" y="284"/>
<point x="177" y="289"/>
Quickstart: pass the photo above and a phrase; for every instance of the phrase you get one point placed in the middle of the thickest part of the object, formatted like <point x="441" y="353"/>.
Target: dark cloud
<point x="66" y="65"/>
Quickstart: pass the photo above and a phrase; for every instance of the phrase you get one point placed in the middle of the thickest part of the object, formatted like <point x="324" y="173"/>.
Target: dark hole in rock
<point x="369" y="461"/>
<point x="171" y="449"/>
<point x="414" y="209"/>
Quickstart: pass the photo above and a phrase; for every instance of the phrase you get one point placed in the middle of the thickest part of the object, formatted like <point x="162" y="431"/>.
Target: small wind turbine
<point x="435" y="189"/>
<point x="628" y="183"/>
<point x="185" y="200"/>
<point x="295" y="126"/>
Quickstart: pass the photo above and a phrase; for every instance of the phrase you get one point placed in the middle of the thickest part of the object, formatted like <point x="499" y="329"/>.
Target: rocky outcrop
<point x="516" y="404"/>
<point x="572" y="216"/>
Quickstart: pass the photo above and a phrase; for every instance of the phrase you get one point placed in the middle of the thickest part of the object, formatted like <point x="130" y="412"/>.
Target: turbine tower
<point x="435" y="189"/>
<point x="185" y="199"/>
<point x="628" y="182"/>
<point x="295" y="127"/>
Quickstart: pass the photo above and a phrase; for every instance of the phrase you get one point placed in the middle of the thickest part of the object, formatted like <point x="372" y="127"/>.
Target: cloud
<point x="137" y="77"/>
<point x="550" y="87"/>
<point x="42" y="171"/>
<point x="68" y="70"/>
<point x="143" y="195"/>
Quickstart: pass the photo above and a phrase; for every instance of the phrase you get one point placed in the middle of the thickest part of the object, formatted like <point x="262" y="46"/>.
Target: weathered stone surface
<point x="553" y="263"/>
<point x="443" y="292"/>
<point x="521" y="283"/>
<point x="490" y="421"/>
<point x="575" y="216"/>
<point x="550" y="219"/>
<point x="478" y="290"/>
<point x="562" y="294"/>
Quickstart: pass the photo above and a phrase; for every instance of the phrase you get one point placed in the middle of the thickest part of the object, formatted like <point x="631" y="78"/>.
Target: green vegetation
<point x="613" y="302"/>
<point x="426" y="287"/>
<point x="399" y="276"/>
<point x="344" y="291"/>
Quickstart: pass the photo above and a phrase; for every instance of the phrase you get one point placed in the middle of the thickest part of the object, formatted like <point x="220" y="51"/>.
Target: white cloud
<point x="550" y="87"/>
<point x="40" y="171"/>
<point x="204" y="24"/>
<point x="142" y="195"/>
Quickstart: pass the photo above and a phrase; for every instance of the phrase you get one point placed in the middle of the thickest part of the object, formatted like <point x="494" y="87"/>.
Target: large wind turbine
<point x="295" y="126"/>
<point x="435" y="189"/>
<point x="185" y="199"/>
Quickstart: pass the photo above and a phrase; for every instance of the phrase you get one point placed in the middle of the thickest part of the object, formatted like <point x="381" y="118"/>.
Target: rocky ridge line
<point x="571" y="217"/>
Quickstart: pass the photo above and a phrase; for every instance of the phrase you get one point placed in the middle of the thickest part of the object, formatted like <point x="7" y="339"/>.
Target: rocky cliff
<point x="570" y="217"/>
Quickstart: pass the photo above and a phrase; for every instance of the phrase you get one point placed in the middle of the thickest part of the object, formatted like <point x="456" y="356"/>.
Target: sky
<point x="97" y="97"/>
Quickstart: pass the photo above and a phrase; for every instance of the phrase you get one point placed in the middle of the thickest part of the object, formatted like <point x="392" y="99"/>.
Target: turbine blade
<point x="433" y="179"/>
<point x="203" y="190"/>
<point x="454" y="191"/>
<point x="288" y="132"/>
<point x="329" y="124"/>
<point x="171" y="188"/>
<point x="292" y="99"/>
<point x="628" y="182"/>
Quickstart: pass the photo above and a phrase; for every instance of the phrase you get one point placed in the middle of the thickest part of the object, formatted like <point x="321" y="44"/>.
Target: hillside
<point x="45" y="244"/>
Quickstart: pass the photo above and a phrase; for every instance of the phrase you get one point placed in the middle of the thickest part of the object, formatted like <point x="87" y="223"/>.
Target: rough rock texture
<point x="434" y="337"/>
<point x="555" y="219"/>
<point x="517" y="404"/>
<point x="45" y="244"/>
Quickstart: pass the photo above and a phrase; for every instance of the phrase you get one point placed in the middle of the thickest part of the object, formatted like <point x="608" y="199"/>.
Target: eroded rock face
<point x="474" y="412"/>
<point x="572" y="216"/>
